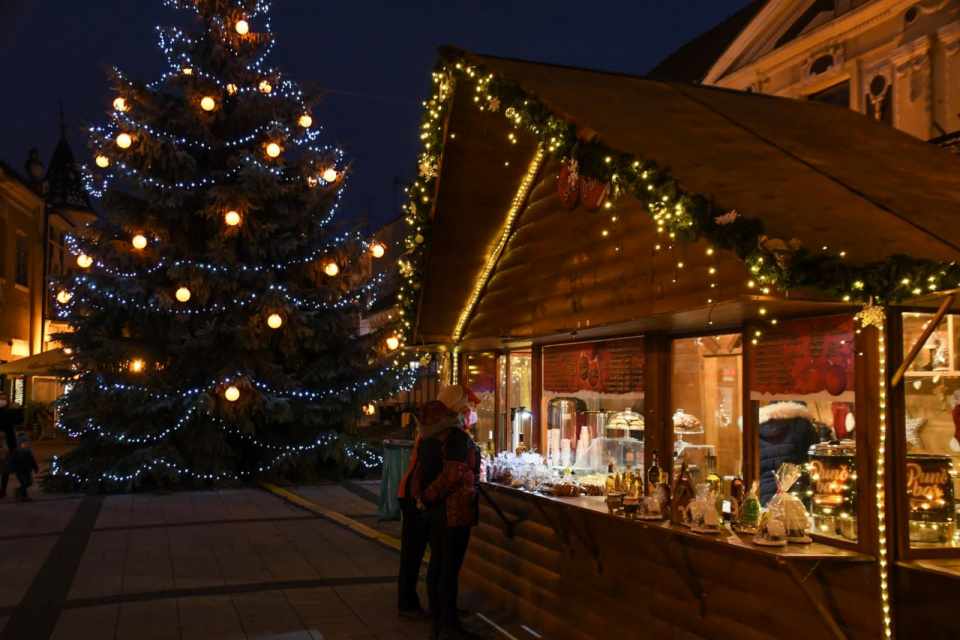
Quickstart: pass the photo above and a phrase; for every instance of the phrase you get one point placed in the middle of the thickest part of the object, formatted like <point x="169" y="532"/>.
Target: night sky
<point x="372" y="56"/>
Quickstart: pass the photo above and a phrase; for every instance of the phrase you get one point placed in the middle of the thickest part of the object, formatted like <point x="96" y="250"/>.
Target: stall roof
<point x="827" y="176"/>
<point x="39" y="364"/>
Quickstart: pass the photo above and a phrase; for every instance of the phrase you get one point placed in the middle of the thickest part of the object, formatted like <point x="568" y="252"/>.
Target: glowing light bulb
<point x="183" y="294"/>
<point x="84" y="261"/>
<point x="331" y="269"/>
<point x="305" y="120"/>
<point x="273" y="150"/>
<point x="64" y="296"/>
<point x="330" y="175"/>
<point x="139" y="241"/>
<point x="187" y="71"/>
<point x="393" y="342"/>
<point x="136" y="365"/>
<point x="265" y="87"/>
<point x="232" y="218"/>
<point x="120" y="104"/>
<point x="207" y="103"/>
<point x="242" y="27"/>
<point x="103" y="161"/>
<point x="369" y="409"/>
<point x="232" y="89"/>
<point x="377" y="250"/>
<point x="232" y="393"/>
<point x="274" y="321"/>
<point x="124" y="141"/>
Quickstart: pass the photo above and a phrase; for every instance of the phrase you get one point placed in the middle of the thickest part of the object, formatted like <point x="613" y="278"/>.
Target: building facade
<point x="897" y="61"/>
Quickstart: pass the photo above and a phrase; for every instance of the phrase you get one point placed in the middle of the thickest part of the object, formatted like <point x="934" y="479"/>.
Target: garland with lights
<point x="680" y="216"/>
<point x="215" y="316"/>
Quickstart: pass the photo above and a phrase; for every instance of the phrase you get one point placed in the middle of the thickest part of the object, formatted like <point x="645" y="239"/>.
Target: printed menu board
<point x="610" y="367"/>
<point x="810" y="357"/>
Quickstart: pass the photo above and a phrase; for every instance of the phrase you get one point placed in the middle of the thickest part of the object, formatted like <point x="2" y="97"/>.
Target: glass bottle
<point x="520" y="447"/>
<point x="737" y="494"/>
<point x="653" y="474"/>
<point x="611" y="482"/>
<point x="713" y="479"/>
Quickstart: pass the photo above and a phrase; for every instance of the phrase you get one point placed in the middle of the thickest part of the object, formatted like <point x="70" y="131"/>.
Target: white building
<point x="894" y="60"/>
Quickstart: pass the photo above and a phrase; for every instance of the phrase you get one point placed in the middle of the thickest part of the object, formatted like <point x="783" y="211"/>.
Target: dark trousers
<point x="448" y="546"/>
<point x="414" y="536"/>
<point x="11" y="436"/>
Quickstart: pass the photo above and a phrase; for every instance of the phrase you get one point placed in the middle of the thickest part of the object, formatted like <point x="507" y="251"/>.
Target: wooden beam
<point x="938" y="316"/>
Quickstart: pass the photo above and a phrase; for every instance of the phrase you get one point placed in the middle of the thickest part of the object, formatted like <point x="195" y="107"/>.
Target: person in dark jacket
<point x="448" y="484"/>
<point x="786" y="435"/>
<point x="21" y="462"/>
<point x="10" y="417"/>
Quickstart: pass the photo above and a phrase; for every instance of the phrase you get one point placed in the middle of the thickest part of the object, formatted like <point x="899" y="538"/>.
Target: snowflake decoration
<point x="428" y="170"/>
<point x="510" y="113"/>
<point x="494" y="105"/>
<point x="425" y="359"/>
<point x="727" y="218"/>
<point x="871" y="315"/>
<point x="406" y="269"/>
<point x="445" y="86"/>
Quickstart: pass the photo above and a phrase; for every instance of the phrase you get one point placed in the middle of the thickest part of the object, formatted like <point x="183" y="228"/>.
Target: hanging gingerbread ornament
<point x="568" y="186"/>
<point x="593" y="193"/>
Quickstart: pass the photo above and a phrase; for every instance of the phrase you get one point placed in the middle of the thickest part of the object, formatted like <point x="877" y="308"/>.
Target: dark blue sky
<point x="54" y="50"/>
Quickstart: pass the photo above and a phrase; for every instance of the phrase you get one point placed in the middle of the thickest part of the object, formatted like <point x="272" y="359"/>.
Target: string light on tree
<point x="136" y="365"/>
<point x="84" y="261"/>
<point x="330" y="175"/>
<point x="187" y="71"/>
<point x="231" y="393"/>
<point x="393" y="343"/>
<point x="232" y="218"/>
<point x="377" y="250"/>
<point x="124" y="140"/>
<point x="231" y="89"/>
<point x="139" y="241"/>
<point x="265" y="87"/>
<point x="274" y="321"/>
<point x="274" y="149"/>
<point x="369" y="409"/>
<point x="102" y="161"/>
<point x="207" y="103"/>
<point x="242" y="27"/>
<point x="183" y="294"/>
<point x="305" y="121"/>
<point x="64" y="296"/>
<point x="331" y="269"/>
<point x="120" y="105"/>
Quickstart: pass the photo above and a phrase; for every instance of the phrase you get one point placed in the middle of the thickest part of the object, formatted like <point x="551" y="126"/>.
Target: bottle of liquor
<point x="611" y="482"/>
<point x="713" y="479"/>
<point x="737" y="494"/>
<point x="628" y="478"/>
<point x="653" y="474"/>
<point x="521" y="447"/>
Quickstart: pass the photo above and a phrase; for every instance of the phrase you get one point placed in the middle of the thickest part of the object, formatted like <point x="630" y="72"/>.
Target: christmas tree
<point x="215" y="321"/>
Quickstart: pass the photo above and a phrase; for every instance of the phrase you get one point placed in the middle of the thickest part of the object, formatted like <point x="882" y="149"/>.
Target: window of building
<point x="932" y="412"/>
<point x="838" y="94"/>
<point x="480" y="375"/>
<point x="22" y="265"/>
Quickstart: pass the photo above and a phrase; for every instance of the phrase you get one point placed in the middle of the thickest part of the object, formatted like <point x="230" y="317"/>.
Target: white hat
<point x="453" y="397"/>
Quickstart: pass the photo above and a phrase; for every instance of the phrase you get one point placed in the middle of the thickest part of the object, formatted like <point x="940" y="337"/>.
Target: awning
<point x="41" y="364"/>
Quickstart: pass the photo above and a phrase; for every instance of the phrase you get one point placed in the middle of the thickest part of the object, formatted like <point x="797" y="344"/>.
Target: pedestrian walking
<point x="21" y="462"/>
<point x="10" y="416"/>
<point x="449" y="472"/>
<point x="414" y="537"/>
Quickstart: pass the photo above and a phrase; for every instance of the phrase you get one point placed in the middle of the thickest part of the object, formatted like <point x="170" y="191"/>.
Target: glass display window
<point x="802" y="387"/>
<point x="519" y="400"/>
<point x="592" y="404"/>
<point x="480" y="375"/>
<point x="706" y="400"/>
<point x="932" y="424"/>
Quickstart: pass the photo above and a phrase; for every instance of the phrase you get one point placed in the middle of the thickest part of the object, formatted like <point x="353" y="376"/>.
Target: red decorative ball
<point x="593" y="193"/>
<point x="835" y="379"/>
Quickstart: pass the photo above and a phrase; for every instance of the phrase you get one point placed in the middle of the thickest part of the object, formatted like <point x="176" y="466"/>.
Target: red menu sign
<point x="805" y="357"/>
<point x="610" y="367"/>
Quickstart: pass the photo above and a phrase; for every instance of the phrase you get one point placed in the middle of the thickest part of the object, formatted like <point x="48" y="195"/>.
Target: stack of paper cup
<point x="553" y="447"/>
<point x="583" y="443"/>
<point x="565" y="452"/>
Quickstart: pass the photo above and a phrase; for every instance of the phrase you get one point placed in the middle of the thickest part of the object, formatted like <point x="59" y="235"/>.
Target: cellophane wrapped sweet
<point x="703" y="511"/>
<point x="787" y="507"/>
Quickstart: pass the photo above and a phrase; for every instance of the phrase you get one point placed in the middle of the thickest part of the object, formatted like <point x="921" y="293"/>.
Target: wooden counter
<point x="576" y="571"/>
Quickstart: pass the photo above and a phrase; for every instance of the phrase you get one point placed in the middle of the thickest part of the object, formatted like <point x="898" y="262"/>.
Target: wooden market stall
<point x="727" y="279"/>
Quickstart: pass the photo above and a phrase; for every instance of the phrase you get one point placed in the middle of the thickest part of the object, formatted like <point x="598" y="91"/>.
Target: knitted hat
<point x="23" y="438"/>
<point x="471" y="396"/>
<point x="453" y="397"/>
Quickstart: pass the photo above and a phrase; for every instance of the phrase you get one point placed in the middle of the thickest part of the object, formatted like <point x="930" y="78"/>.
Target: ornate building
<point x="893" y="60"/>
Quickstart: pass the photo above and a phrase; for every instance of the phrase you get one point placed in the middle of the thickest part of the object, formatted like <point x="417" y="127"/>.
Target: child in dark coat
<point x="21" y="462"/>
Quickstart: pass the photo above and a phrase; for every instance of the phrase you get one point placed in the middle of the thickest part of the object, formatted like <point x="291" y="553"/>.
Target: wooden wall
<point x="641" y="588"/>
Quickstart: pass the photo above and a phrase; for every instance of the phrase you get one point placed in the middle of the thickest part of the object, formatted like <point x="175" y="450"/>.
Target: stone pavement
<point x="238" y="564"/>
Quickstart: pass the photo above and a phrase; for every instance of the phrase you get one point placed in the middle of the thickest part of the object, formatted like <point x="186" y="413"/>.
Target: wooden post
<point x="536" y="397"/>
<point x="658" y="432"/>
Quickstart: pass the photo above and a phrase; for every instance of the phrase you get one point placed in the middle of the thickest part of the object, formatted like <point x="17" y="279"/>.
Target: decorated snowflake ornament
<point x="871" y="315"/>
<point x="727" y="218"/>
<point x="428" y="169"/>
<point x="406" y="268"/>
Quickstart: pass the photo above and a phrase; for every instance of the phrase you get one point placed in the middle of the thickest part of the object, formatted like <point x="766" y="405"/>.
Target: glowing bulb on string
<point x="377" y="250"/>
<point x="139" y="241"/>
<point x="136" y="365"/>
<point x="232" y="218"/>
<point x="207" y="103"/>
<point x="232" y="393"/>
<point x="242" y="27"/>
<point x="265" y="87"/>
<point x="64" y="296"/>
<point x="232" y="89"/>
<point x="331" y="269"/>
<point x="120" y="104"/>
<point x="187" y="71"/>
<point x="183" y="294"/>
<point x="305" y="120"/>
<point x="273" y="150"/>
<point x="330" y="175"/>
<point x="124" y="140"/>
<point x="103" y="161"/>
<point x="84" y="261"/>
<point x="369" y="409"/>
<point x="274" y="321"/>
<point x="393" y="342"/>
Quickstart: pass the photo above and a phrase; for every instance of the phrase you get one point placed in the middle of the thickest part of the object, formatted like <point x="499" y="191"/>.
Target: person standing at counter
<point x="449" y="475"/>
<point x="786" y="435"/>
<point x="10" y="416"/>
